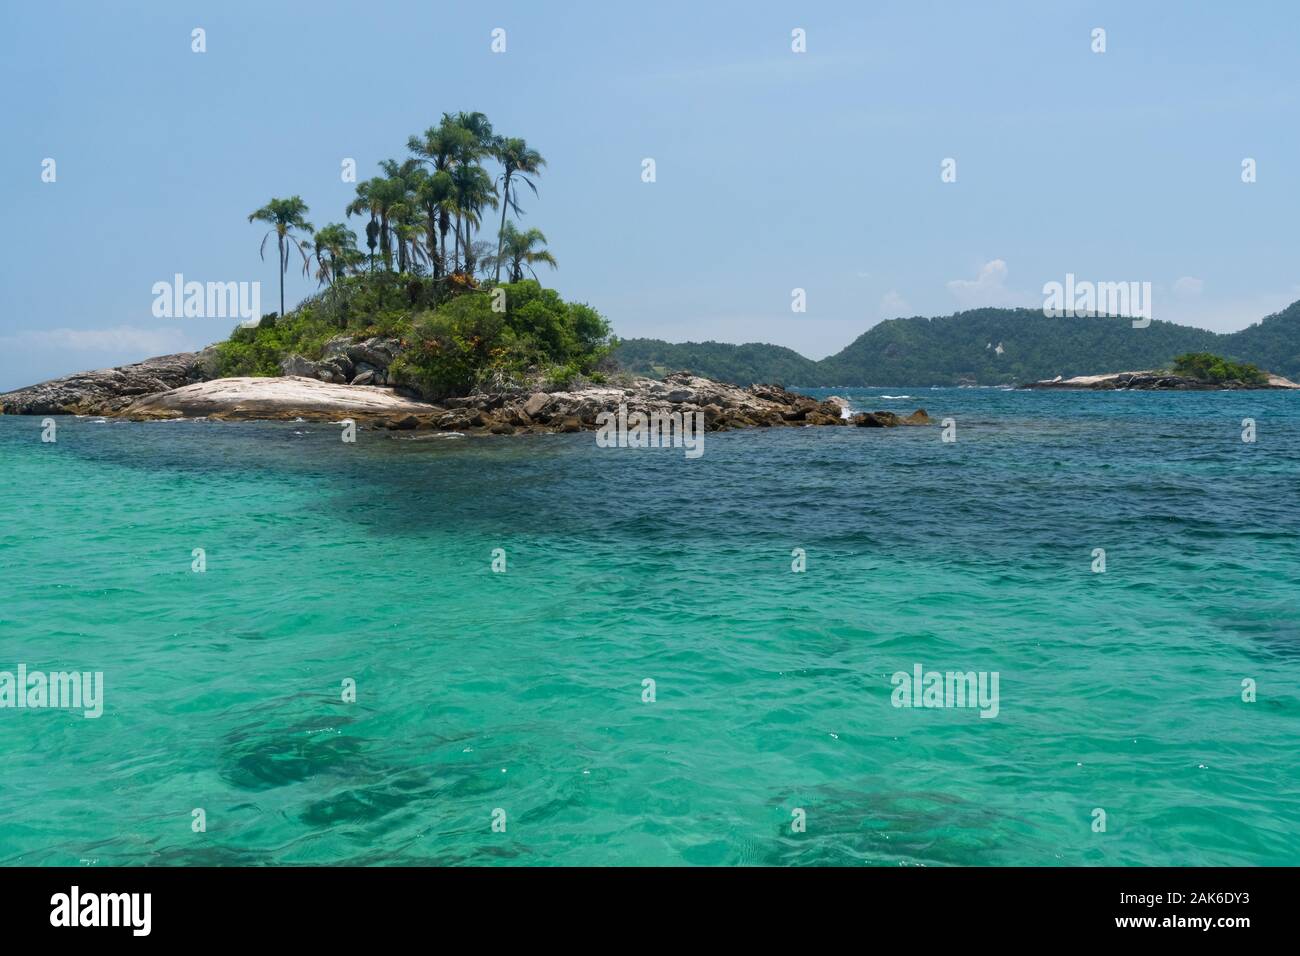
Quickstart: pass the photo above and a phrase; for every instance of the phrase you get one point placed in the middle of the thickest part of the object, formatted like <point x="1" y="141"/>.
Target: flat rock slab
<point x="277" y="398"/>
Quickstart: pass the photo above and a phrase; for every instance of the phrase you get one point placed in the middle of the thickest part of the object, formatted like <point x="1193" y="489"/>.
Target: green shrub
<point x="455" y="340"/>
<point x="360" y="306"/>
<point x="465" y="344"/>
<point x="455" y="346"/>
<point x="1205" y="367"/>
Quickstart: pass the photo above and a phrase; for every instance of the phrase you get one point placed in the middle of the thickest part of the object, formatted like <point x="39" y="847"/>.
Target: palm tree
<point x="392" y="193"/>
<point x="518" y="162"/>
<point x="364" y="204"/>
<point x="436" y="196"/>
<point x="520" y="249"/>
<point x="459" y="186"/>
<point x="473" y="189"/>
<point x="473" y="140"/>
<point x="439" y="148"/>
<point x="339" y="243"/>
<point x="478" y="126"/>
<point x="409" y="229"/>
<point x="284" y="215"/>
<point x="408" y="217"/>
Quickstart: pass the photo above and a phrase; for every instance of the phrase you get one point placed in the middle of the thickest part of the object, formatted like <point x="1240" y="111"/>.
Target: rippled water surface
<point x="523" y="690"/>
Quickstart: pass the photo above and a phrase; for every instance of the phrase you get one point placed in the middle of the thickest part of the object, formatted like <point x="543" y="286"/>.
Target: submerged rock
<point x="890" y="419"/>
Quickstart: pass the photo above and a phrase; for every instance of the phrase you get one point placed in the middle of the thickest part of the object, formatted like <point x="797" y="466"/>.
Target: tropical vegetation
<point x="1205" y="367"/>
<point x="467" y="309"/>
<point x="285" y="216"/>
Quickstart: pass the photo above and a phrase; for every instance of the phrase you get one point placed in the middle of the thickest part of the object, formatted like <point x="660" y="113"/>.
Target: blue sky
<point x="775" y="170"/>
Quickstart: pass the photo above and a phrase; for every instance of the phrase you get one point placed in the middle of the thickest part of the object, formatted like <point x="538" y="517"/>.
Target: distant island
<point x="1198" y="371"/>
<point x="977" y="347"/>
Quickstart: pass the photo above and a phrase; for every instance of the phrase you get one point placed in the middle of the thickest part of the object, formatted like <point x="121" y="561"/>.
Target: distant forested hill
<point x="961" y="348"/>
<point x="719" y="360"/>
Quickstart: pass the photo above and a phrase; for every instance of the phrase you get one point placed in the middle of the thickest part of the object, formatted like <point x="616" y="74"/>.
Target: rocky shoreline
<point x="1156" y="381"/>
<point x="107" y="391"/>
<point x="180" y="386"/>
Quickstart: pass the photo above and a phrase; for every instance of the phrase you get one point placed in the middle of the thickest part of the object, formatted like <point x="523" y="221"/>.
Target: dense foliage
<point x="453" y="337"/>
<point x="360" y="306"/>
<point x="424" y="279"/>
<point x="464" y="343"/>
<point x="1214" y="368"/>
<point x="963" y="349"/>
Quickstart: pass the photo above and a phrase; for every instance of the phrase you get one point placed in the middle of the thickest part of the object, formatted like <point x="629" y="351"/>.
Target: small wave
<point x="895" y="397"/>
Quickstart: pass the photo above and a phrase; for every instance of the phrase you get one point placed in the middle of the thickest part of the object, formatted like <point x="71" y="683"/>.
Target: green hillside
<point x="745" y="364"/>
<point x="962" y="348"/>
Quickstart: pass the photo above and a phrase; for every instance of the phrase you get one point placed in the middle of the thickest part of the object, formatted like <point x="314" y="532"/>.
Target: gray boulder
<point x="536" y="403"/>
<point x="297" y="365"/>
<point x="377" y="352"/>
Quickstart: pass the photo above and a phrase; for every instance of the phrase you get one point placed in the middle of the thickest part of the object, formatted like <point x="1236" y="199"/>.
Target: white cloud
<point x="1188" y="286"/>
<point x="123" y="338"/>
<point x="988" y="288"/>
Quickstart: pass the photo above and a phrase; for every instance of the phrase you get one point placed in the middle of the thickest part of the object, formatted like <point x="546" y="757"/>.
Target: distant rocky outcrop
<point x="1156" y="381"/>
<point x="107" y="391"/>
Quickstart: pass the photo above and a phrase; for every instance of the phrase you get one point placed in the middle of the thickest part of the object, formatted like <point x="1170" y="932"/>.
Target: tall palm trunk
<point x="444" y="226"/>
<point x="433" y="243"/>
<point x="501" y="233"/>
<point x="384" y="245"/>
<point x="284" y="264"/>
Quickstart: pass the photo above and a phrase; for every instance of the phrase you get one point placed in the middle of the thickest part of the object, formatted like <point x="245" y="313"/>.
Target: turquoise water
<point x="523" y="690"/>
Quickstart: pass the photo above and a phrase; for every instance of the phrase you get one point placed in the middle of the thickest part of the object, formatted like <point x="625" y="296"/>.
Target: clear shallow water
<point x="523" y="690"/>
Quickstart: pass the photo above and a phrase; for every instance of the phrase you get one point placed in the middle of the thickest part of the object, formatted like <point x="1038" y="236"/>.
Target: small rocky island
<point x="1155" y="381"/>
<point x="1198" y="371"/>
<point x="337" y="387"/>
<point x="422" y="330"/>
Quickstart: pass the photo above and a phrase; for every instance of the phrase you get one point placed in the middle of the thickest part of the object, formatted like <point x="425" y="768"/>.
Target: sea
<point x="423" y="649"/>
